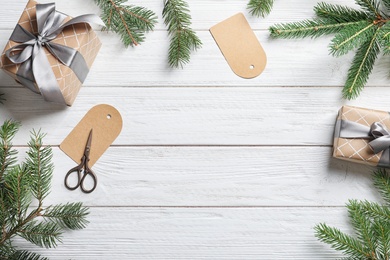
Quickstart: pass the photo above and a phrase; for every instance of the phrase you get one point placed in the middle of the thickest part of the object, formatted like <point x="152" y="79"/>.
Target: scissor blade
<point x="88" y="145"/>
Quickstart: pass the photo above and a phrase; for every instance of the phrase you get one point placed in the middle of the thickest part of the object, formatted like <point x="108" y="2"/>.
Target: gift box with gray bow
<point x="362" y="135"/>
<point x="51" y="53"/>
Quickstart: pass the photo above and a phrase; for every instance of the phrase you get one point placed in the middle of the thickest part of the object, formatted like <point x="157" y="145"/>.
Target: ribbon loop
<point x="35" y="66"/>
<point x="381" y="136"/>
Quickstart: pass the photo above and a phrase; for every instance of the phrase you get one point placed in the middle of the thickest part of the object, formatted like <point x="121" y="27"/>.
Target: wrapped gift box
<point x="357" y="139"/>
<point x="79" y="37"/>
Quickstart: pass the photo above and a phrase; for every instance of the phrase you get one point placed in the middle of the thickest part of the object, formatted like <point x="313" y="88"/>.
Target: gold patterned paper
<point x="358" y="150"/>
<point x="79" y="37"/>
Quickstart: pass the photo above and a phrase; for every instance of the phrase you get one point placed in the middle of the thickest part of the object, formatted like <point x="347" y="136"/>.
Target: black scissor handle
<point x="94" y="179"/>
<point x="78" y="171"/>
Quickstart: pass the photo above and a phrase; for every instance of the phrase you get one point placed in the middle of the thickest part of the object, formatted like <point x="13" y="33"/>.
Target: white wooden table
<point x="208" y="165"/>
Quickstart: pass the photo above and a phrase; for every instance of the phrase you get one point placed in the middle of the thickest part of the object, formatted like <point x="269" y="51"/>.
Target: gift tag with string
<point x="239" y="45"/>
<point x="106" y="122"/>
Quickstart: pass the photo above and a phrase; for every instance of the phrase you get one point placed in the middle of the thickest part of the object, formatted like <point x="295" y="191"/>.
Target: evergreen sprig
<point x="184" y="40"/>
<point x="367" y="31"/>
<point x="260" y="8"/>
<point x="19" y="185"/>
<point x="130" y="22"/>
<point x="371" y="222"/>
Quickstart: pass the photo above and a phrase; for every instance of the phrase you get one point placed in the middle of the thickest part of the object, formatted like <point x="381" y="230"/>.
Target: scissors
<point x="83" y="168"/>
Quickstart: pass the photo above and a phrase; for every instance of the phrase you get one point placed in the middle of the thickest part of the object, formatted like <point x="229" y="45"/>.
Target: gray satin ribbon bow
<point x="377" y="133"/>
<point x="35" y="66"/>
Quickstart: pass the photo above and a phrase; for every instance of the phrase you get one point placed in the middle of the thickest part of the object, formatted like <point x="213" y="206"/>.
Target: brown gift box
<point x="357" y="149"/>
<point x="79" y="37"/>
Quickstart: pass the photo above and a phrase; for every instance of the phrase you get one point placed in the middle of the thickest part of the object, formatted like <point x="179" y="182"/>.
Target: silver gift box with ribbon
<point x="362" y="135"/>
<point x="51" y="53"/>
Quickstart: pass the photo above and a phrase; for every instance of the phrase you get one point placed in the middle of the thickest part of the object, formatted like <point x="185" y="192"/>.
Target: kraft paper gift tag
<point x="239" y="45"/>
<point x="106" y="123"/>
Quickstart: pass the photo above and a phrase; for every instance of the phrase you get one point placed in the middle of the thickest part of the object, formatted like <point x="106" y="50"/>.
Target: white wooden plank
<point x="205" y="13"/>
<point x="200" y="233"/>
<point x="169" y="176"/>
<point x="197" y="116"/>
<point x="290" y="63"/>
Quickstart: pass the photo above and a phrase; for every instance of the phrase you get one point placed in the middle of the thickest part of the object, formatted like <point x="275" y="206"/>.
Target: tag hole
<point x="251" y="67"/>
<point x="108" y="116"/>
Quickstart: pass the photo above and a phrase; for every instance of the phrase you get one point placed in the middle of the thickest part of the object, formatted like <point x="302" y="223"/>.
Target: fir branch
<point x="340" y="241"/>
<point x="19" y="183"/>
<point x="366" y="30"/>
<point x="7" y="153"/>
<point x="370" y="220"/>
<point x="308" y="28"/>
<point x="183" y="38"/>
<point x="17" y="186"/>
<point x="362" y="225"/>
<point x="260" y="8"/>
<point x="130" y="22"/>
<point x="361" y="68"/>
<point x="374" y="210"/>
<point x="39" y="165"/>
<point x="352" y="37"/>
<point x="26" y="255"/>
<point x="381" y="229"/>
<point x="43" y="234"/>
<point x="338" y="13"/>
<point x="382" y="183"/>
<point x="70" y="215"/>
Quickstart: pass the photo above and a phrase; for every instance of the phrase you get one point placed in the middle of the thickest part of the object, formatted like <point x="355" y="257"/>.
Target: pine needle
<point x="260" y="8"/>
<point x="183" y="39"/>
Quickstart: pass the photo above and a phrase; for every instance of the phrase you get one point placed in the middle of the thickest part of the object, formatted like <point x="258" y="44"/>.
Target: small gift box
<point x="362" y="136"/>
<point x="51" y="53"/>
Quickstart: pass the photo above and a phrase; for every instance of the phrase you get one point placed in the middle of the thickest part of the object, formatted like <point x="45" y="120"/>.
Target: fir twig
<point x="130" y="22"/>
<point x="7" y="153"/>
<point x="371" y="222"/>
<point x="260" y="8"/>
<point x="183" y="38"/>
<point x="70" y="215"/>
<point x="340" y="241"/>
<point x="382" y="183"/>
<point x="362" y="65"/>
<point x="18" y="184"/>
<point x="39" y="166"/>
<point x="25" y="255"/>
<point x="365" y="30"/>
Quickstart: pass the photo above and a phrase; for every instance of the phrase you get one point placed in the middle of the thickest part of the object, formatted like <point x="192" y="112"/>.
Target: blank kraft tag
<point x="240" y="46"/>
<point x="106" y="123"/>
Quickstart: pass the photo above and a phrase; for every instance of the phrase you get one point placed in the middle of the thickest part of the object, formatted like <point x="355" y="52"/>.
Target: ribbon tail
<point x="71" y="58"/>
<point x="45" y="79"/>
<point x="26" y="77"/>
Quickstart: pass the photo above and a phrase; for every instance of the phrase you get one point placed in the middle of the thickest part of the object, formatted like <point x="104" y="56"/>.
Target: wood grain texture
<point x="197" y="116"/>
<point x="290" y="63"/>
<point x="200" y="233"/>
<point x="208" y="165"/>
<point x="205" y="13"/>
<point x="217" y="176"/>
